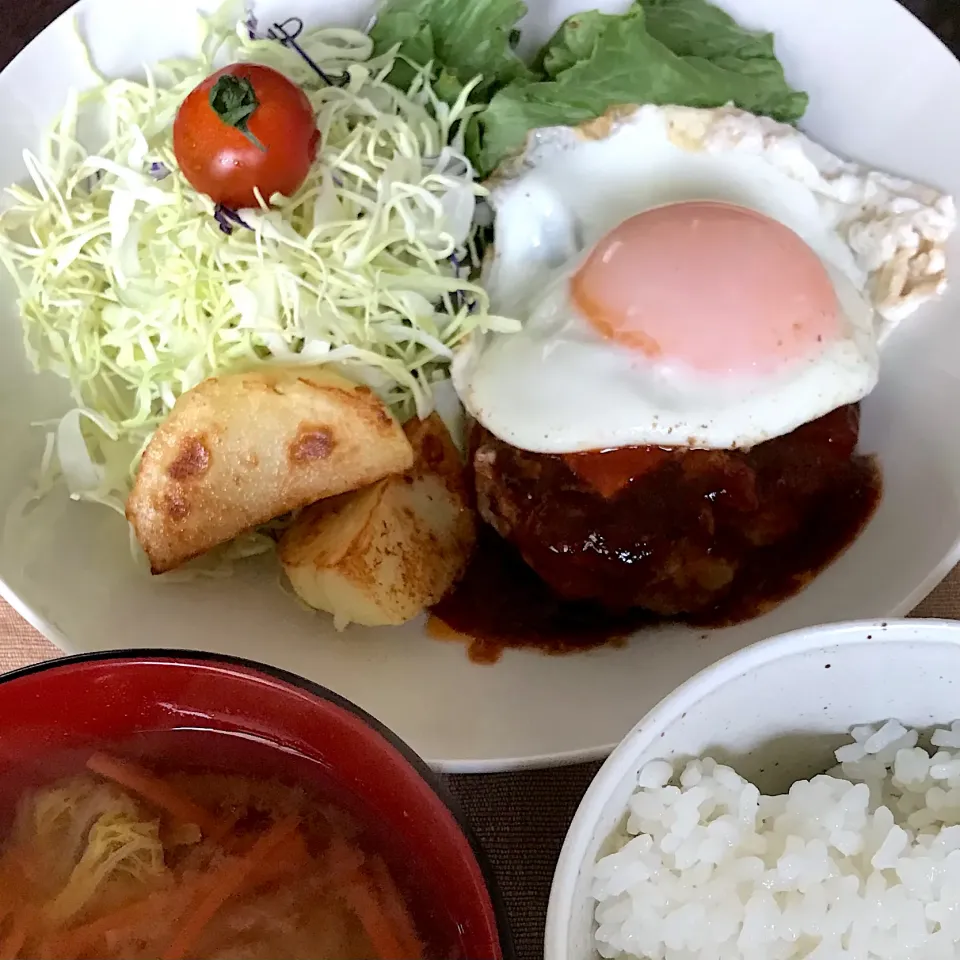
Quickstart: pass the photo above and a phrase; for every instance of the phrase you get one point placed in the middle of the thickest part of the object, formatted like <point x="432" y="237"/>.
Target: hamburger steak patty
<point x="665" y="530"/>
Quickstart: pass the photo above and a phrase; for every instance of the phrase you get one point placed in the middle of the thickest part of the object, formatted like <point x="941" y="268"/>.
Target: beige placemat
<point x="520" y="818"/>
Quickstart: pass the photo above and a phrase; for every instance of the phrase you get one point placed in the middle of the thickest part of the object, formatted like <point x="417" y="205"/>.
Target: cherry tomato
<point x="245" y="126"/>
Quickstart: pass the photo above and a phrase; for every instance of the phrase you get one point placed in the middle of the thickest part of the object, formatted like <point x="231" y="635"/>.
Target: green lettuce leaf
<point x="684" y="52"/>
<point x="576" y="40"/>
<point x="690" y="28"/>
<point x="463" y="38"/>
<point x="597" y="61"/>
<point x="695" y="28"/>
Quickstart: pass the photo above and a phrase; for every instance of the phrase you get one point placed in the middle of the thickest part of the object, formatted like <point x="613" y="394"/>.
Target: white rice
<point x="862" y="863"/>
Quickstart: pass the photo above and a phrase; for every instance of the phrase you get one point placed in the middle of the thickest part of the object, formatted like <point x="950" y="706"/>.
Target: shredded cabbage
<point x="85" y="836"/>
<point x="57" y="820"/>
<point x="118" y="846"/>
<point x="131" y="290"/>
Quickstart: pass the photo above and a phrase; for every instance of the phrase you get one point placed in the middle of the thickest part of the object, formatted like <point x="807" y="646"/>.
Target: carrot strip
<point x="154" y="790"/>
<point x="12" y="868"/>
<point x="13" y="942"/>
<point x="288" y="855"/>
<point x="227" y="881"/>
<point x="395" y="907"/>
<point x="385" y="940"/>
<point x="79" y="939"/>
<point x="341" y="858"/>
<point x="387" y="924"/>
<point x="222" y="830"/>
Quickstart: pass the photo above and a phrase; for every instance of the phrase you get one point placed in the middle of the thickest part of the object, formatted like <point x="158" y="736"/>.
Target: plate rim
<point x="56" y="635"/>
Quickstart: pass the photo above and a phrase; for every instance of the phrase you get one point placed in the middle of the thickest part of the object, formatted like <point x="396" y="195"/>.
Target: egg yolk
<point x="712" y="286"/>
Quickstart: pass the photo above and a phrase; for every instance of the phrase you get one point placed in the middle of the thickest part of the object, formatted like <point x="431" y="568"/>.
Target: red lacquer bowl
<point x="234" y="715"/>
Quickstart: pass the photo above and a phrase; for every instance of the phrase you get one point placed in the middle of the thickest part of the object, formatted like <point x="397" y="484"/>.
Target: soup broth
<point x="197" y="844"/>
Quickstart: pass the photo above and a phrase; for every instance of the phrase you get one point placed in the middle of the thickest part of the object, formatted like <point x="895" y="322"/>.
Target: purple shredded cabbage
<point x="228" y="218"/>
<point x="159" y="170"/>
<point x="456" y="297"/>
<point x="251" y="24"/>
<point x="287" y="33"/>
<point x="222" y="220"/>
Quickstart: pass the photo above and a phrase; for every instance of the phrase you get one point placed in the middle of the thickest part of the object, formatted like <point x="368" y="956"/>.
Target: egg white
<point x="558" y="386"/>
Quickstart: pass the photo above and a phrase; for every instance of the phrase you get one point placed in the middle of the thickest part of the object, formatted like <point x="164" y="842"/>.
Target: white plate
<point x="883" y="90"/>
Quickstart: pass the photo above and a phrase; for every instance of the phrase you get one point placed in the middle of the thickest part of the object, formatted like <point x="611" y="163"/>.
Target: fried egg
<point x="688" y="277"/>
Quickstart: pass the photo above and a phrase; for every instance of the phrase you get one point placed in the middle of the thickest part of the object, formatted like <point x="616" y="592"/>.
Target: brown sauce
<point x="502" y="603"/>
<point x="809" y="498"/>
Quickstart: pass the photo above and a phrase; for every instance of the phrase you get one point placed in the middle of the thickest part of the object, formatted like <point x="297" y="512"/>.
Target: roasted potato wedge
<point x="238" y="450"/>
<point x="382" y="555"/>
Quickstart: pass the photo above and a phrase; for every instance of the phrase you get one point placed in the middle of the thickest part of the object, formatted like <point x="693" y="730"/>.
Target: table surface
<point x="520" y="818"/>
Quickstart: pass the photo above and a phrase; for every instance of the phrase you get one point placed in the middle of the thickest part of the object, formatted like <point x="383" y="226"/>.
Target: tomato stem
<point x="234" y="101"/>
